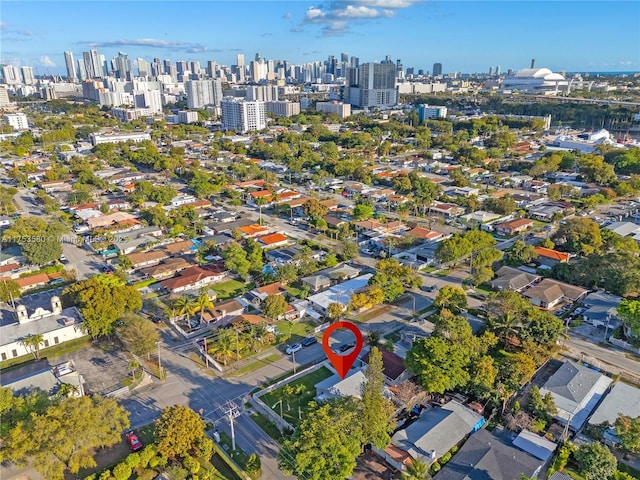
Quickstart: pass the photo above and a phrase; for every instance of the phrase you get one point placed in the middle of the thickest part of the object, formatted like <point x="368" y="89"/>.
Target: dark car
<point x="309" y="341"/>
<point x="345" y="347"/>
<point x="428" y="288"/>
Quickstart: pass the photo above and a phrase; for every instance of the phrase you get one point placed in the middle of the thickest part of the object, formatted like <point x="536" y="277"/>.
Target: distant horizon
<point x="462" y="35"/>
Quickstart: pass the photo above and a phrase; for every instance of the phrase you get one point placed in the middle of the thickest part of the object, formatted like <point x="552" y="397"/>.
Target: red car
<point x="133" y="441"/>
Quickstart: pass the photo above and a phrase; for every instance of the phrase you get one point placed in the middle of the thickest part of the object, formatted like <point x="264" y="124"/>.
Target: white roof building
<point x="537" y="80"/>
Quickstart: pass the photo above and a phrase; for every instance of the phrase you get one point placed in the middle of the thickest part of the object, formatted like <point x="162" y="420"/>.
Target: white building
<point x="243" y="115"/>
<point x="11" y="75"/>
<point x="149" y="99"/>
<point x="56" y="325"/>
<point x="429" y="111"/>
<point x="71" y="66"/>
<point x="4" y="96"/>
<point x="263" y="93"/>
<point x="339" y="108"/>
<point x="201" y="93"/>
<point x="28" y="78"/>
<point x="17" y="120"/>
<point x="97" y="139"/>
<point x="283" y="108"/>
<point x="185" y="116"/>
<point x="536" y="80"/>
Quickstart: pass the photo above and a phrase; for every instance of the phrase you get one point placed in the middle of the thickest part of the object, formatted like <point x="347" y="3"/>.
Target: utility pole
<point x="159" y="362"/>
<point x="206" y="354"/>
<point x="293" y="354"/>
<point x="281" y="417"/>
<point x="232" y="412"/>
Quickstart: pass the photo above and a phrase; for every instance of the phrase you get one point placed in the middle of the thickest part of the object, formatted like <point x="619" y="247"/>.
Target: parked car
<point x="428" y="288"/>
<point x="134" y="442"/>
<point x="346" y="347"/>
<point x="309" y="341"/>
<point x="293" y="348"/>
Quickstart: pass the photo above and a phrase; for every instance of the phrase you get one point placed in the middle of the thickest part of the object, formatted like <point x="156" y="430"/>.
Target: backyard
<point x="229" y="289"/>
<point x="295" y="396"/>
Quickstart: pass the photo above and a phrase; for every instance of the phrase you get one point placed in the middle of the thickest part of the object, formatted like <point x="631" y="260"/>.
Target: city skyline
<point x="462" y="36"/>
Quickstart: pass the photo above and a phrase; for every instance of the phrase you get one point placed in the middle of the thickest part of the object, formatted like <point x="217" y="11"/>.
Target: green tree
<point x="138" y="334"/>
<point x="39" y="239"/>
<point x="334" y="310"/>
<point x="9" y="290"/>
<point x="349" y="250"/>
<point x="595" y="461"/>
<point x="202" y="303"/>
<point x="416" y="470"/>
<point x="178" y="432"/>
<point x="579" y="235"/>
<point x="628" y="431"/>
<point x="362" y="211"/>
<point x="520" y="253"/>
<point x="629" y="312"/>
<point x="440" y="365"/>
<point x="542" y="406"/>
<point x="65" y="436"/>
<point x="122" y="471"/>
<point x="102" y="301"/>
<point x="274" y="306"/>
<point x="377" y="411"/>
<point x="314" y="209"/>
<point x="452" y="298"/>
<point x="235" y="259"/>
<point x="286" y="273"/>
<point x="326" y="443"/>
<point x="253" y="465"/>
<point x="254" y="255"/>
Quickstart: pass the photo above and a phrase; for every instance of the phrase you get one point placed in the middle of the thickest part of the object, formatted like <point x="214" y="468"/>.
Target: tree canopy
<point x="179" y="432"/>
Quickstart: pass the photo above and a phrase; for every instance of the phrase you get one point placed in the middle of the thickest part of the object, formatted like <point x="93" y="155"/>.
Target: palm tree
<point x="33" y="342"/>
<point x="261" y="202"/>
<point x="416" y="470"/>
<point x="223" y="348"/>
<point x="403" y="212"/>
<point x="185" y="305"/>
<point x="67" y="390"/>
<point x="133" y="367"/>
<point x="202" y="302"/>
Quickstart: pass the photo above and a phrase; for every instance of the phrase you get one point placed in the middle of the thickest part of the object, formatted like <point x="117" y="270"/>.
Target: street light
<point x="281" y="417"/>
<point x="159" y="362"/>
<point x="293" y="354"/>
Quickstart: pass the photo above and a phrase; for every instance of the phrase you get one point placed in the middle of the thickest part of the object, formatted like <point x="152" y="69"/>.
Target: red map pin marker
<point x="342" y="363"/>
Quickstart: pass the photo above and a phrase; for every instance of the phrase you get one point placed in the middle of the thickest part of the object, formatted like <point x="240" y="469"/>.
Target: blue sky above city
<point x="463" y="36"/>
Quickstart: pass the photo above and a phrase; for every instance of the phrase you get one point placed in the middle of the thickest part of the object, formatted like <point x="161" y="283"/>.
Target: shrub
<point x="106" y="475"/>
<point x="154" y="461"/>
<point x="191" y="464"/>
<point x="454" y="450"/>
<point x="147" y="454"/>
<point x="147" y="474"/>
<point x="253" y="464"/>
<point x="122" y="471"/>
<point x="445" y="458"/>
<point x="133" y="459"/>
<point x="435" y="468"/>
<point x="516" y="407"/>
<point x="91" y="477"/>
<point x="205" y="448"/>
<point x="538" y="425"/>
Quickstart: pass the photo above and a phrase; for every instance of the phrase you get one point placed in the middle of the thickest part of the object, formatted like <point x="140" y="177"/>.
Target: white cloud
<point x="149" y="42"/>
<point x="337" y="16"/>
<point x="46" y="61"/>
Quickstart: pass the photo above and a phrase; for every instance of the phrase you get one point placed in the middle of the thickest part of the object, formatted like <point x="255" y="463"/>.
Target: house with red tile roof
<point x="447" y="210"/>
<point x="253" y="230"/>
<point x="276" y="288"/>
<point x="273" y="240"/>
<point x="513" y="227"/>
<point x="550" y="257"/>
<point x="426" y="234"/>
<point x="251" y="198"/>
<point x="146" y="259"/>
<point x="32" y="281"/>
<point x="195" y="277"/>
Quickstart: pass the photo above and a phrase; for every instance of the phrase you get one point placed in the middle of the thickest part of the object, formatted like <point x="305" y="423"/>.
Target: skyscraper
<point x="11" y="74"/>
<point x="498" y="70"/>
<point x="201" y="93"/>
<point x="437" y="69"/>
<point x="71" y="66"/>
<point x="376" y="86"/>
<point x="82" y="70"/>
<point x="122" y="66"/>
<point x="144" y="67"/>
<point x="27" y="75"/>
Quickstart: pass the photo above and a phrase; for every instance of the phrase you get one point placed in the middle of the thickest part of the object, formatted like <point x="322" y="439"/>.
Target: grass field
<point x="50" y="352"/>
<point x="295" y="396"/>
<point x="267" y="425"/>
<point x="256" y="365"/>
<point x="299" y="330"/>
<point x="229" y="289"/>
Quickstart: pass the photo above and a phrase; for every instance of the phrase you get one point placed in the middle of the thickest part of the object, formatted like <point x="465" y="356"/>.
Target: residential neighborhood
<point x="173" y="271"/>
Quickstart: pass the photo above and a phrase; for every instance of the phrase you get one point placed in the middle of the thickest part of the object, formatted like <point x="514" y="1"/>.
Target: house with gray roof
<point x="550" y="293"/>
<point x="335" y="387"/>
<point x="41" y="376"/>
<point x="576" y="390"/>
<point x="513" y="279"/>
<point x="435" y="432"/>
<point x="622" y="399"/>
<point x="490" y="455"/>
<point x="601" y="309"/>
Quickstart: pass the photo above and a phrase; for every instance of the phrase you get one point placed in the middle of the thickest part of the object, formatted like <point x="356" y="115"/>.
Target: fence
<point x="264" y="408"/>
<point x="624" y="345"/>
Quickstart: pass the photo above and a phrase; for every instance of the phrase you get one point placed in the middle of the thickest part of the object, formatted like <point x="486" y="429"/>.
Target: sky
<point x="571" y="35"/>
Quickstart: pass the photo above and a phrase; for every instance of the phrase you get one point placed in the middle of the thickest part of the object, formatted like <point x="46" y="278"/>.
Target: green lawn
<point x="294" y="401"/>
<point x="299" y="330"/>
<point x="256" y="365"/>
<point x="623" y="467"/>
<point x="229" y="289"/>
<point x="267" y="425"/>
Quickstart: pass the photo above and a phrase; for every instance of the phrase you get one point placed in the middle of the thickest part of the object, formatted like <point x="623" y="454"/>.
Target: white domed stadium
<point x="537" y="80"/>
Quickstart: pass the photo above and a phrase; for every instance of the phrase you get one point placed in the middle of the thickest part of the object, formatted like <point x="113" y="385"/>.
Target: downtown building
<point x="372" y="85"/>
<point x="201" y="93"/>
<point x="243" y="115"/>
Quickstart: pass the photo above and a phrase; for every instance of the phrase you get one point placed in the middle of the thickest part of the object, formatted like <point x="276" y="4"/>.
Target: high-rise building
<point x="243" y="115"/>
<point x="376" y="86"/>
<point x="344" y="57"/>
<point x="11" y="75"/>
<point x="212" y="67"/>
<point x="428" y="111"/>
<point x="122" y="66"/>
<point x="240" y="59"/>
<point x="437" y="69"/>
<point x="144" y="67"/>
<point x="194" y="67"/>
<point x="17" y="120"/>
<point x="27" y="75"/>
<point x="71" y="66"/>
<point x="149" y="99"/>
<point x="498" y="70"/>
<point x="263" y="93"/>
<point x="4" y="96"/>
<point x="201" y="93"/>
<point x="92" y="64"/>
<point x="82" y="70"/>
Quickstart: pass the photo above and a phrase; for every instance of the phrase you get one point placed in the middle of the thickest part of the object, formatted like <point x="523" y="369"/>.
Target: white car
<point x="293" y="348"/>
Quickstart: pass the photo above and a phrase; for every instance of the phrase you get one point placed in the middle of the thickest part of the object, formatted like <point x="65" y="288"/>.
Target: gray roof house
<point x="513" y="279"/>
<point x="40" y="375"/>
<point x="576" y="390"/>
<point x="335" y="387"/>
<point x="622" y="399"/>
<point x="601" y="309"/>
<point x="485" y="456"/>
<point x="435" y="432"/>
<point x="317" y="283"/>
